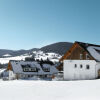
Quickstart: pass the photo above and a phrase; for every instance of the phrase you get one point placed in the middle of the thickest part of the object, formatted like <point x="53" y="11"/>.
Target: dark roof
<point x="86" y="45"/>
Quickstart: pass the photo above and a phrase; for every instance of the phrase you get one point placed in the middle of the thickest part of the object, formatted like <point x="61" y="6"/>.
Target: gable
<point x="9" y="66"/>
<point x="69" y="52"/>
<point x="74" y="53"/>
<point x="92" y="49"/>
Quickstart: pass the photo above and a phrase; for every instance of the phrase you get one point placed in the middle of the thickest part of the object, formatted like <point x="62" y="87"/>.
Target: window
<point x="81" y="56"/>
<point x="46" y="69"/>
<point x="28" y="75"/>
<point x="87" y="67"/>
<point x="81" y="66"/>
<point x="30" y="69"/>
<point x="87" y="57"/>
<point x="75" y="65"/>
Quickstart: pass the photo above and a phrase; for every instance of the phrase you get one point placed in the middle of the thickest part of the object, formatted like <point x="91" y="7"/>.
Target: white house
<point x="81" y="61"/>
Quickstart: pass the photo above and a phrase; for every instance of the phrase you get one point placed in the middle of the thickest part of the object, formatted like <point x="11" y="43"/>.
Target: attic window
<point x="87" y="57"/>
<point x="46" y="69"/>
<point x="81" y="56"/>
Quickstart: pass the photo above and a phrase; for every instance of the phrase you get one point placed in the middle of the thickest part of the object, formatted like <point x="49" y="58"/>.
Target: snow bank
<point x="45" y="90"/>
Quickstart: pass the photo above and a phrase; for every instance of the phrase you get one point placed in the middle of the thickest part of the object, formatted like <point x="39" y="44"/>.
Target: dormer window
<point x="28" y="68"/>
<point x="46" y="69"/>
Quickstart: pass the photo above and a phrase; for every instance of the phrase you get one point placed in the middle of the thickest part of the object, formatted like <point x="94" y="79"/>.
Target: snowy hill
<point x="45" y="90"/>
<point x="38" y="55"/>
<point x="13" y="53"/>
<point x="6" y="60"/>
<point x="59" y="48"/>
<point x="44" y="56"/>
<point x="52" y="52"/>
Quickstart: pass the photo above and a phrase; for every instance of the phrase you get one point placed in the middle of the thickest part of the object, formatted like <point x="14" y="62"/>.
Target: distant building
<point x="25" y="70"/>
<point x="82" y="61"/>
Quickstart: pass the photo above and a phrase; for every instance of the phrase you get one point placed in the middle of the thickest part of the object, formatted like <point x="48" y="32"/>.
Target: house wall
<point x="77" y="73"/>
<point x="11" y="75"/>
<point x="74" y="54"/>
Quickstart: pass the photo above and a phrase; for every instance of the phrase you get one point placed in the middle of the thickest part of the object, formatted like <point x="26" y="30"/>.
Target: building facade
<point x="80" y="61"/>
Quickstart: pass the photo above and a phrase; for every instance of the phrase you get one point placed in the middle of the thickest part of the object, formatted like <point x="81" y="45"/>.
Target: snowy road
<point x="53" y="90"/>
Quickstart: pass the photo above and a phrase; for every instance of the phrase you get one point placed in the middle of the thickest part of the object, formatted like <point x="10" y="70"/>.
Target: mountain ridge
<point x="59" y="47"/>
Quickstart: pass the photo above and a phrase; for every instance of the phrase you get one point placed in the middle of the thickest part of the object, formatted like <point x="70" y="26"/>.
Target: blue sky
<point x="26" y="24"/>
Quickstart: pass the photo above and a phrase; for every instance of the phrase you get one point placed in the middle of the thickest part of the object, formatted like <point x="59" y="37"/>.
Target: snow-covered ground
<point x="50" y="90"/>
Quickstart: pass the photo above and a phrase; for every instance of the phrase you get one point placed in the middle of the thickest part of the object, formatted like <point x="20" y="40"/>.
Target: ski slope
<point x="50" y="90"/>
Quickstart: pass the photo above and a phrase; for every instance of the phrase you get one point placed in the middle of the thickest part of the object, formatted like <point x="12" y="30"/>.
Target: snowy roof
<point x="92" y="49"/>
<point x="18" y="66"/>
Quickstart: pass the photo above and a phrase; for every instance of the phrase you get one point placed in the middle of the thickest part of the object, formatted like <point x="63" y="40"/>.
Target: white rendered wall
<point x="72" y="73"/>
<point x="11" y="75"/>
